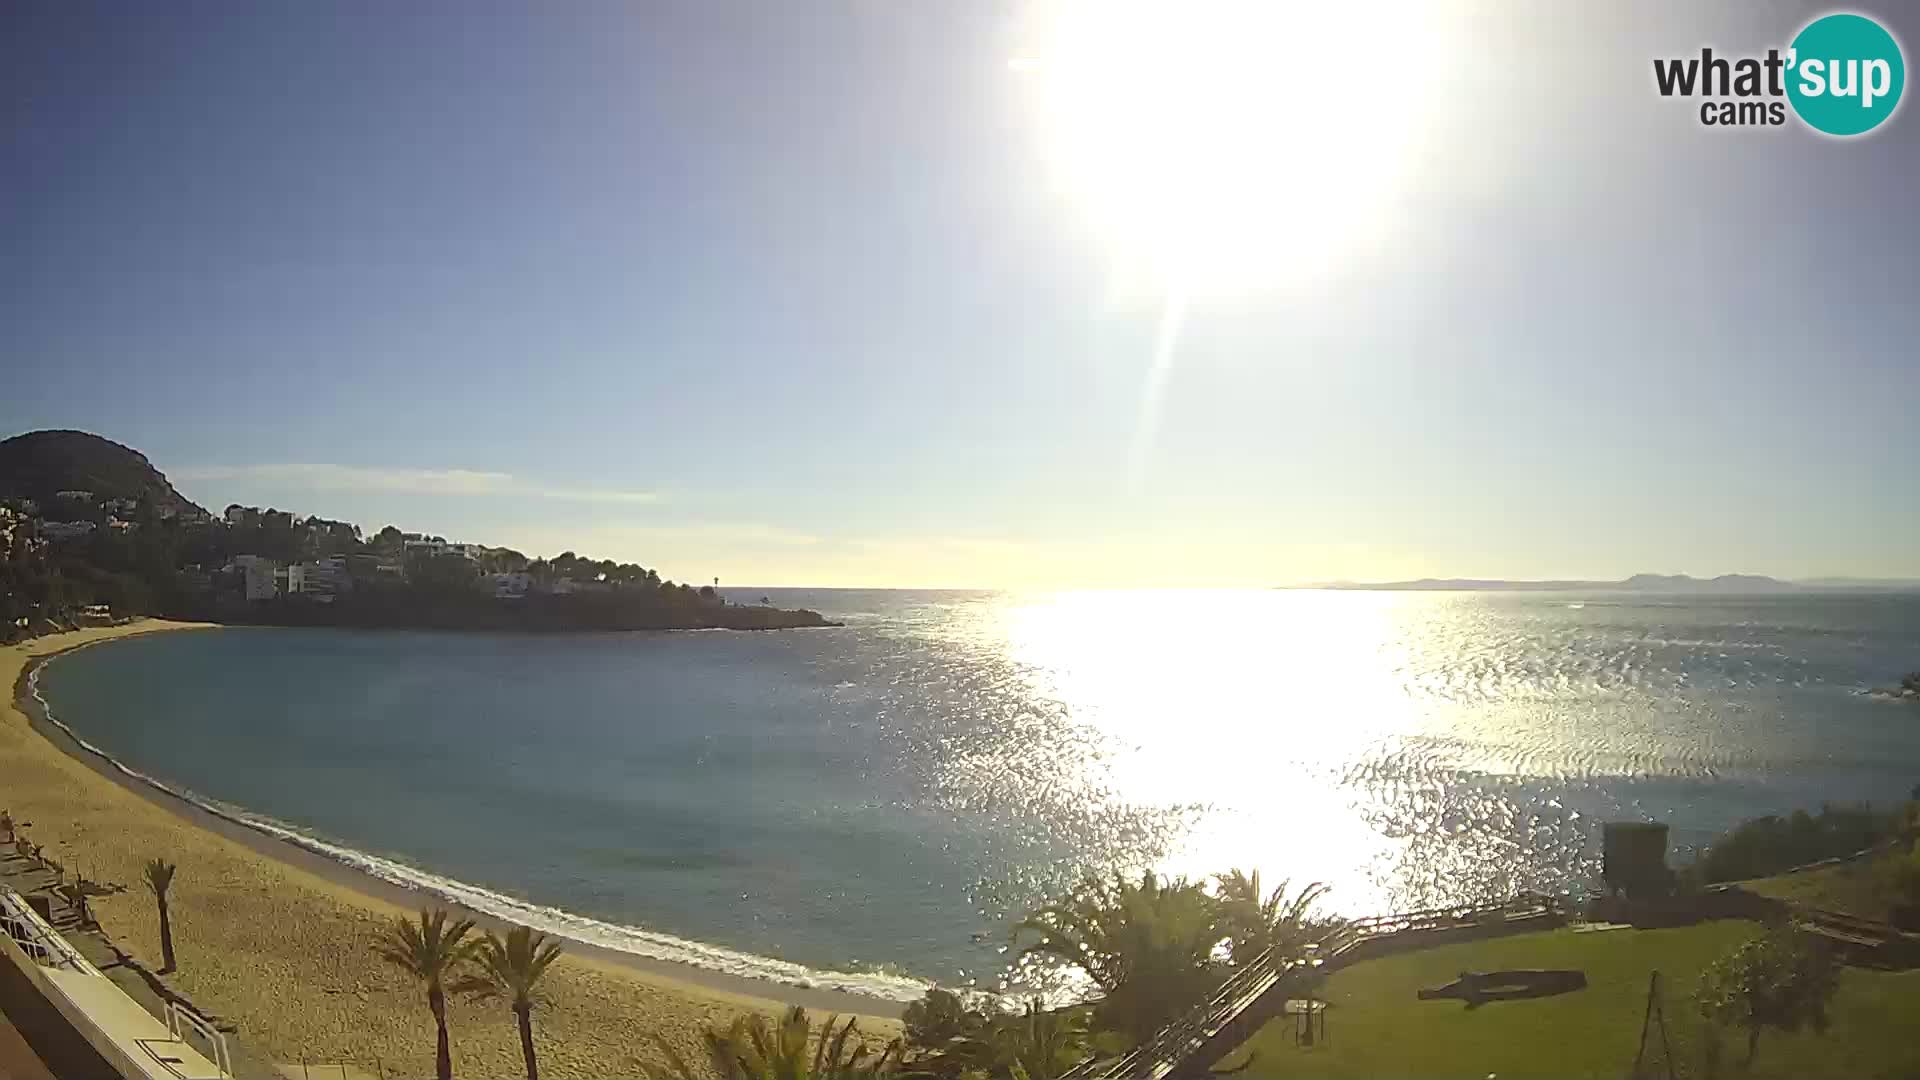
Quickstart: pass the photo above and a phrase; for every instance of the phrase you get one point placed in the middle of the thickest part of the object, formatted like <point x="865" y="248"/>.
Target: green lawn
<point x="1855" y="887"/>
<point x="1376" y="1027"/>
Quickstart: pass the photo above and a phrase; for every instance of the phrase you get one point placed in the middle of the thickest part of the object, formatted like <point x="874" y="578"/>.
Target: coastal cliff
<point x="416" y="610"/>
<point x="91" y="532"/>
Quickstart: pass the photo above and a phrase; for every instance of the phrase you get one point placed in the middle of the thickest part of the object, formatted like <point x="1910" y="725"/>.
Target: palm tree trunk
<point x="1753" y="1042"/>
<point x="166" y="937"/>
<point x="525" y="1013"/>
<point x="442" y="1053"/>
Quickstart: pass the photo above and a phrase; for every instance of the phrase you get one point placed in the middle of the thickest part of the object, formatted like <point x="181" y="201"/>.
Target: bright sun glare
<point x="1229" y="145"/>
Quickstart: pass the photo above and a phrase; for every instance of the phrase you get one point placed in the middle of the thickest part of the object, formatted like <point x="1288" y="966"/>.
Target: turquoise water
<point x="884" y="797"/>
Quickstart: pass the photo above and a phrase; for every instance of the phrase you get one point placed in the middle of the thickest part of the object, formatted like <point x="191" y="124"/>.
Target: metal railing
<point x="182" y="1022"/>
<point x="36" y="938"/>
<point x="1168" y="1050"/>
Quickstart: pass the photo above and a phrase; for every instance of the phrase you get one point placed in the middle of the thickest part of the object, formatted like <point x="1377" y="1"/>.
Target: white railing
<point x="36" y="938"/>
<point x="182" y="1022"/>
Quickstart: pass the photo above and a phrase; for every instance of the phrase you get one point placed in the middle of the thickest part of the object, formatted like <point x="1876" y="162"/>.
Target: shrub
<point x="946" y="1037"/>
<point x="753" y="1049"/>
<point x="1771" y="844"/>
<point x="1783" y="979"/>
<point x="1152" y="945"/>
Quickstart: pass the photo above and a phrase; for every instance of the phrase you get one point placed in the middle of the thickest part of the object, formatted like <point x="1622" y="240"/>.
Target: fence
<point x="1230" y="1016"/>
<point x="36" y="938"/>
<point x="182" y="1022"/>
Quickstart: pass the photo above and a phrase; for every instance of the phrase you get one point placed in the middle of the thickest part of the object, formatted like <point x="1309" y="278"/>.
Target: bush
<point x="753" y="1049"/>
<point x="943" y="1033"/>
<point x="945" y="1037"/>
<point x="1152" y="946"/>
<point x="1783" y="979"/>
<point x="1898" y="879"/>
<point x="1771" y="844"/>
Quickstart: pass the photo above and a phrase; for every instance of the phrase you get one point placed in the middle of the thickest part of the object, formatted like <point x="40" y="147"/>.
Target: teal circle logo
<point x="1845" y="74"/>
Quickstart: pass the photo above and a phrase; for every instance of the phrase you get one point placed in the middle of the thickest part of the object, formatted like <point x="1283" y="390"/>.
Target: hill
<point x="1725" y="583"/>
<point x="41" y="464"/>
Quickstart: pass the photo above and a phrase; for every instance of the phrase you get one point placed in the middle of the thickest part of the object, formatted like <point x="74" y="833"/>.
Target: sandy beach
<point x="279" y="941"/>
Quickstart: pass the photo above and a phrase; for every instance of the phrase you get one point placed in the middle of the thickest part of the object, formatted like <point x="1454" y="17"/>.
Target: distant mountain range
<point x="1656" y="583"/>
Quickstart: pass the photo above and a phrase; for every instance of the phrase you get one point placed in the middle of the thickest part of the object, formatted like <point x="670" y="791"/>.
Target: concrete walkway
<point x="145" y="988"/>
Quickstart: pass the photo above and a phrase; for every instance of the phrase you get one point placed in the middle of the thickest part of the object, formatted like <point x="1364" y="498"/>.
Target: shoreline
<point x="699" y="995"/>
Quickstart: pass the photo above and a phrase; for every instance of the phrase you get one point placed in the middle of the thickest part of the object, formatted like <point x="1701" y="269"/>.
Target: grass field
<point x="1857" y="887"/>
<point x="1376" y="1027"/>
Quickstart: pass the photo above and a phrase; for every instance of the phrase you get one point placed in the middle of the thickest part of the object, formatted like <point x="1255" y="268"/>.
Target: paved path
<point x="94" y="946"/>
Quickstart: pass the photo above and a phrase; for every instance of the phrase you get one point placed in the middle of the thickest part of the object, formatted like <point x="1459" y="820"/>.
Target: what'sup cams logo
<point x="1842" y="75"/>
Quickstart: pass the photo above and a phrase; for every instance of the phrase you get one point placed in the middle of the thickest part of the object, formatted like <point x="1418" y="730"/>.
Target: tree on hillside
<point x="443" y="572"/>
<point x="1783" y="979"/>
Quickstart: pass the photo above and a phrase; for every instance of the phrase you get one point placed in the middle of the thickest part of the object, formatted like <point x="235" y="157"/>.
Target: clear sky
<point x="878" y="294"/>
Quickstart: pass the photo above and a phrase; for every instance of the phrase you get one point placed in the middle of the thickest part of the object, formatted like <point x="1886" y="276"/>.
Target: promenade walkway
<point x="67" y="970"/>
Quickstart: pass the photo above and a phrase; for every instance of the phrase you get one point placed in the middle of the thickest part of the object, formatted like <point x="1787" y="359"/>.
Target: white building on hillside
<point x="442" y="547"/>
<point x="511" y="586"/>
<point x="325" y="577"/>
<point x="258" y="575"/>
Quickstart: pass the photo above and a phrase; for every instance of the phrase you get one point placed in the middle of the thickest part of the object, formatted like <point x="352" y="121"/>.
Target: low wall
<point x="35" y="1013"/>
<point x="1399" y="941"/>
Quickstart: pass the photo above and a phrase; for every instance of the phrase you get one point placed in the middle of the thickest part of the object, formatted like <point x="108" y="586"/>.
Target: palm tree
<point x="750" y="1050"/>
<point x="508" y="971"/>
<point x="1149" y="945"/>
<point x="431" y="952"/>
<point x="1040" y="1045"/>
<point x="159" y="875"/>
<point x="1259" y="921"/>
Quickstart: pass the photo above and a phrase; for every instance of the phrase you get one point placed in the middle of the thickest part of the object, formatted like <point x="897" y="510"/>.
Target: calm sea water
<point x="883" y="798"/>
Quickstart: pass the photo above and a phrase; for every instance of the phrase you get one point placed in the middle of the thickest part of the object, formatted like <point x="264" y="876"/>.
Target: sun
<point x="1230" y="145"/>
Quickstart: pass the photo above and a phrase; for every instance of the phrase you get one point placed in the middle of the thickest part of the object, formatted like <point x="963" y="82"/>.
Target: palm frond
<point x="158" y="873"/>
<point x="431" y="950"/>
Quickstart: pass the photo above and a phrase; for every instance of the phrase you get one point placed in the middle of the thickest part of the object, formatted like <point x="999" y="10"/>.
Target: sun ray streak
<point x="1172" y="317"/>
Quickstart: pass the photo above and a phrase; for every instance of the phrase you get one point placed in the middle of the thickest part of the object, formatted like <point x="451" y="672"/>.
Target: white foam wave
<point x="581" y="928"/>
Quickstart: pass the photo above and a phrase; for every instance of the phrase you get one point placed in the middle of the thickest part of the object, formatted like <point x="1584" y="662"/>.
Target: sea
<point x="870" y="807"/>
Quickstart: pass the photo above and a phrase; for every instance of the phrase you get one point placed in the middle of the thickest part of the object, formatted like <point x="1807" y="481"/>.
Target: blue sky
<point x="797" y="294"/>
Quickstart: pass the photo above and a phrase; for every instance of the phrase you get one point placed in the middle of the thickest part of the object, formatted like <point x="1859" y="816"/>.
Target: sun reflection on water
<point x="1248" y="718"/>
<point x="1314" y="735"/>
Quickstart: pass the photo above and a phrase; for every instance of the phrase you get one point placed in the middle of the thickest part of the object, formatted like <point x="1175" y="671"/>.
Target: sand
<point x="280" y="942"/>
